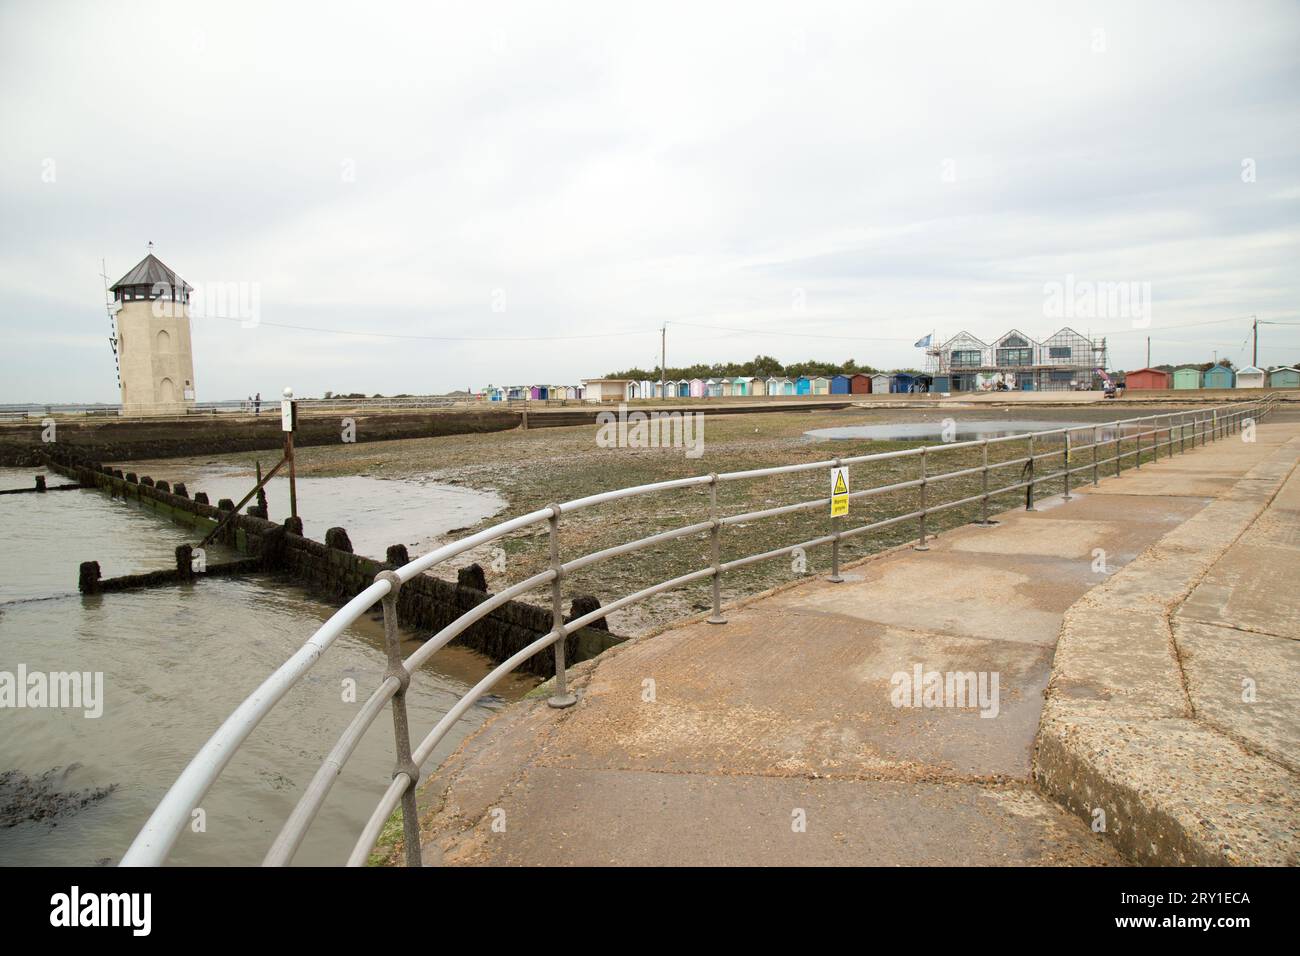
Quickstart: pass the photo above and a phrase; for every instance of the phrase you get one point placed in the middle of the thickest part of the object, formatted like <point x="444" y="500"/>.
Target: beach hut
<point x="1187" y="377"/>
<point x="821" y="385"/>
<point x="1285" y="377"/>
<point x="901" y="382"/>
<point x="780" y="385"/>
<point x="697" y="388"/>
<point x="860" y="384"/>
<point x="1250" y="377"/>
<point x="880" y="383"/>
<point x="803" y="385"/>
<point x="1218" y="376"/>
<point x="713" y="388"/>
<point x="605" y="389"/>
<point x="684" y="388"/>
<point x="941" y="383"/>
<point x="1147" y="378"/>
<point x="758" y="386"/>
<point x="740" y="385"/>
<point x="840" y="385"/>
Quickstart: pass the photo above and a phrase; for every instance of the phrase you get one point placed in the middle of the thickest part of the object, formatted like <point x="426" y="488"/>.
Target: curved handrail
<point x="165" y="824"/>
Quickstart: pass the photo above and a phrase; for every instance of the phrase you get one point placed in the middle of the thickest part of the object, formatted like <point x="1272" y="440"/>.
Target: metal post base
<point x="560" y="701"/>
<point x="985" y="524"/>
<point x="921" y="545"/>
<point x="717" y="619"/>
<point x="835" y="579"/>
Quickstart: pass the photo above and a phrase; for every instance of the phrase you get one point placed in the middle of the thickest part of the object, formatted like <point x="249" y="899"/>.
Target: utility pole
<point x="663" y="361"/>
<point x="1148" y="351"/>
<point x="1254" y="357"/>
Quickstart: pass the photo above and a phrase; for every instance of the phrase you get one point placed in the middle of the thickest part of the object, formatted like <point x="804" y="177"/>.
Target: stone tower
<point x="153" y="339"/>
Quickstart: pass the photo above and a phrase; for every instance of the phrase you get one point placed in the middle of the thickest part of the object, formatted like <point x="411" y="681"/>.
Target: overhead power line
<point x="433" y="338"/>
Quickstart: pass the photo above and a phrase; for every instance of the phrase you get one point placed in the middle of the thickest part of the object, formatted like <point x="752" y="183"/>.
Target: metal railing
<point x="1169" y="434"/>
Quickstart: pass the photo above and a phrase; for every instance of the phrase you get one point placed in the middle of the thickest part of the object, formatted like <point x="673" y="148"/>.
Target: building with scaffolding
<point x="1064" y="361"/>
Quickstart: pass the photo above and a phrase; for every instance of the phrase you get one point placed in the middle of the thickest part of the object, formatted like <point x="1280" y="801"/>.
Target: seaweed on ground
<point x="39" y="799"/>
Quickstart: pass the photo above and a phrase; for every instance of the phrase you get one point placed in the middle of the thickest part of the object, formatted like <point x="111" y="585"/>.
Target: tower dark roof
<point x="148" y="272"/>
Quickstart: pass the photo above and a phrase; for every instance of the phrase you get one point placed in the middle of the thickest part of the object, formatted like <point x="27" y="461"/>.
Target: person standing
<point x="257" y="404"/>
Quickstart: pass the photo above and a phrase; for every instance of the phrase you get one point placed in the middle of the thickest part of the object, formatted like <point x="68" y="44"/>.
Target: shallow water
<point x="175" y="662"/>
<point x="955" y="430"/>
<point x="375" y="512"/>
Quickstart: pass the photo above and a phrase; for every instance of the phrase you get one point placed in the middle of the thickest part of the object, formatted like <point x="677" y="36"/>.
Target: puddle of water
<point x="970" y="430"/>
<point x="376" y="512"/>
<point x="176" y="660"/>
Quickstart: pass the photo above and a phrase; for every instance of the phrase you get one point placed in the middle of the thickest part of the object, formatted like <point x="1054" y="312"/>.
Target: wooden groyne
<point x="329" y="569"/>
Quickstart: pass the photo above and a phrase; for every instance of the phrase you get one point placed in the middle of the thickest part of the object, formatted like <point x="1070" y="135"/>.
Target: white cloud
<point x="602" y="167"/>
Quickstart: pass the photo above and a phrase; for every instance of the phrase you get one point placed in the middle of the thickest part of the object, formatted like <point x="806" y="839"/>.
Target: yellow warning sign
<point x="839" y="492"/>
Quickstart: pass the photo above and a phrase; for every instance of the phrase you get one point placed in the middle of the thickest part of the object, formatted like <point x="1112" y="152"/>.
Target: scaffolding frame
<point x="1067" y="360"/>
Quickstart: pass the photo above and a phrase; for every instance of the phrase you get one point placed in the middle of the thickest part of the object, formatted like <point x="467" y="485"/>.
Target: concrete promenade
<point x="776" y="739"/>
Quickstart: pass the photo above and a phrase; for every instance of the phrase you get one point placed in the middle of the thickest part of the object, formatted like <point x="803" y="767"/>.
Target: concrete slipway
<point x="1120" y="695"/>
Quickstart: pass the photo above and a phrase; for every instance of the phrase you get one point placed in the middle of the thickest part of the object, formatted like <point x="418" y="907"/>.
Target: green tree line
<point x="760" y="366"/>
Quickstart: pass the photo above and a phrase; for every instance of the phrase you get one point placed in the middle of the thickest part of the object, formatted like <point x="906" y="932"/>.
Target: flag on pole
<point x="923" y="343"/>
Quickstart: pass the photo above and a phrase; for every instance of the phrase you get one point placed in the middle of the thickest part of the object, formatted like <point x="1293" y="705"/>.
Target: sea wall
<point x="129" y="439"/>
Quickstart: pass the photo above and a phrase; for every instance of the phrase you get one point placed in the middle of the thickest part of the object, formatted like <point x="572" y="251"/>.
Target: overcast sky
<point x="837" y="181"/>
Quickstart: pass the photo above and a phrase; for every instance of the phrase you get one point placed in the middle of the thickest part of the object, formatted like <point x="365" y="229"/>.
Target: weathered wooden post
<point x="88" y="577"/>
<point x="288" y="422"/>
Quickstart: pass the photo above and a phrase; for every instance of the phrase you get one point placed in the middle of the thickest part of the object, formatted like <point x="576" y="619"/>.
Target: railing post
<point x="1096" y="440"/>
<point x="1182" y="434"/>
<point x="715" y="552"/>
<point x="561" y="698"/>
<point x="835" y="577"/>
<point x="1029" y="497"/>
<point x="920" y="542"/>
<point x="1119" y="430"/>
<point x="984" y="486"/>
<point x="1138" y="457"/>
<point x="1068" y="496"/>
<point x="401" y="725"/>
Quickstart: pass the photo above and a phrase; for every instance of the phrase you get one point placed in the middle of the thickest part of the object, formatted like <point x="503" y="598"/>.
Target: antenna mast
<point x="112" y="325"/>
